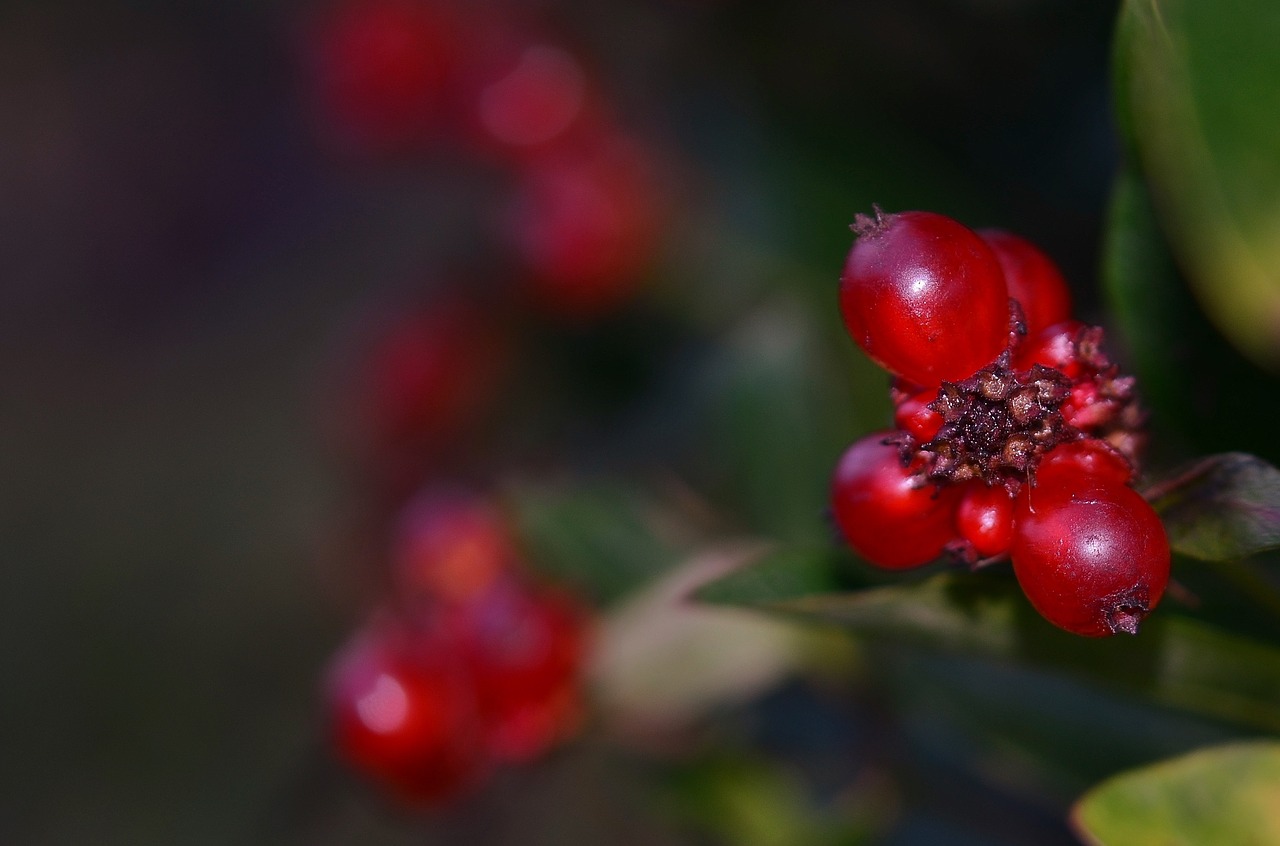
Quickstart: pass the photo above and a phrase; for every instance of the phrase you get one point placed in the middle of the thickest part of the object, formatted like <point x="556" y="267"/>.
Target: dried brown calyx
<point x="998" y="423"/>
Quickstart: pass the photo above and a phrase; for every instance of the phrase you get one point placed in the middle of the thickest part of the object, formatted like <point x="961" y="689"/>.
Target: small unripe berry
<point x="984" y="518"/>
<point x="924" y="297"/>
<point x="887" y="514"/>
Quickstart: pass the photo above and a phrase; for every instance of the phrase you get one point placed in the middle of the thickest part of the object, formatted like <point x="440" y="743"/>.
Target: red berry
<point x="1033" y="279"/>
<point x="1091" y="555"/>
<point x="984" y="518"/>
<point x="450" y="547"/>
<point x="885" y="512"/>
<point x="585" y="225"/>
<point x="525" y="650"/>
<point x="429" y="374"/>
<point x="383" y="68"/>
<point x="913" y="415"/>
<point x="1053" y="347"/>
<point x="402" y="711"/>
<point x="924" y="297"/>
<point x="1089" y="457"/>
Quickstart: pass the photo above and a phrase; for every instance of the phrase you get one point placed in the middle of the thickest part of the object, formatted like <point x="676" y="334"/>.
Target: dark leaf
<point x="1223" y="508"/>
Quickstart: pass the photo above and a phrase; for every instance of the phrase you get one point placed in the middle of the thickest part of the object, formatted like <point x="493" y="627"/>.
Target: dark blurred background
<point x="185" y="257"/>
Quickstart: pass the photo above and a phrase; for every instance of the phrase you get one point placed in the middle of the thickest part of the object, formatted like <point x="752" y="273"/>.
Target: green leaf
<point x="1224" y="508"/>
<point x="1225" y="795"/>
<point x="606" y="540"/>
<point x="1173" y="660"/>
<point x="780" y="575"/>
<point x="1198" y="89"/>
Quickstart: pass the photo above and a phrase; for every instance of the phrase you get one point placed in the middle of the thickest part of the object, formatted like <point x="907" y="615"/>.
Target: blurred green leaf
<point x="1225" y="795"/>
<point x="778" y="411"/>
<point x="1223" y="508"/>
<point x="749" y="801"/>
<point x="779" y="575"/>
<point x="1174" y="660"/>
<point x="1198" y="89"/>
<point x="606" y="540"/>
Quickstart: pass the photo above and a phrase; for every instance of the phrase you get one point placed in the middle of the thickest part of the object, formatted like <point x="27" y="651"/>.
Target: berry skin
<point x="1088" y="457"/>
<point x="402" y="711"/>
<point x="1054" y="347"/>
<point x="884" y="512"/>
<point x="914" y="416"/>
<point x="525" y="649"/>
<point x="984" y="518"/>
<point x="1033" y="279"/>
<point x="1091" y="555"/>
<point x="924" y="297"/>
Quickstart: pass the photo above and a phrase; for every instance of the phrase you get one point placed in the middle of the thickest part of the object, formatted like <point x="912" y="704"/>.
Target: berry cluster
<point x="1016" y="435"/>
<point x="474" y="665"/>
<point x="486" y="84"/>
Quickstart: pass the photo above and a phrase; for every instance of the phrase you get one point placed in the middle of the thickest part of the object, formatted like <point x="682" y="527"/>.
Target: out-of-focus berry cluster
<point x="1016" y="434"/>
<point x="472" y="664"/>
<point x="469" y="662"/>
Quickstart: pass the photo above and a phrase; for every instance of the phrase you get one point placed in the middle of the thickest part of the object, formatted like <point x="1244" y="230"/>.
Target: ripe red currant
<point x="525" y="650"/>
<point x="1033" y="279"/>
<point x="924" y="297"/>
<point x="1091" y="555"/>
<point x="984" y="518"/>
<point x="886" y="513"/>
<point x="402" y="711"/>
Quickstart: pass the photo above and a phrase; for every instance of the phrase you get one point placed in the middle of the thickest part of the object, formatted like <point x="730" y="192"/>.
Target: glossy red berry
<point x="1054" y="346"/>
<point x="525" y="649"/>
<point x="885" y="513"/>
<point x="914" y="416"/>
<point x="450" y="546"/>
<point x="1087" y="457"/>
<point x="984" y="518"/>
<point x="402" y="711"/>
<point x="1033" y="279"/>
<point x="924" y="297"/>
<point x="1091" y="555"/>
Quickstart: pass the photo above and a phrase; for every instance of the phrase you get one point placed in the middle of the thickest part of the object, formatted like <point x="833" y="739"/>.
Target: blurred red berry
<point x="383" y="69"/>
<point x="525" y="649"/>
<point x="452" y="547"/>
<point x="584" y="224"/>
<point x="402" y="711"/>
<point x="430" y="374"/>
<point x="924" y="297"/>
<point x="887" y="514"/>
<point x="1032" y="278"/>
